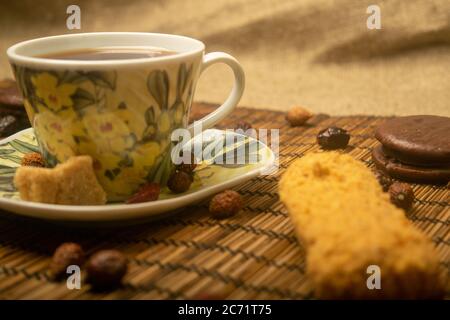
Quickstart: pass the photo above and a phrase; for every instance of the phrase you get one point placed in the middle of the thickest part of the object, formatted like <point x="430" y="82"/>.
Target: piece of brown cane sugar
<point x="72" y="182"/>
<point x="348" y="226"/>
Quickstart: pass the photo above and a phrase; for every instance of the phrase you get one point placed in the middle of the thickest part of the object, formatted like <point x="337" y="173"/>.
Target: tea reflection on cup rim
<point x="27" y="53"/>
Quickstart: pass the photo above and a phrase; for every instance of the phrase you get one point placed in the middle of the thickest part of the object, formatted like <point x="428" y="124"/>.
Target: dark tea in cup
<point x="109" y="53"/>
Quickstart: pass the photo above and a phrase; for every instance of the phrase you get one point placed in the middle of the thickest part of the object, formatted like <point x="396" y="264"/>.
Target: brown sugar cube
<point x="36" y="184"/>
<point x="73" y="183"/>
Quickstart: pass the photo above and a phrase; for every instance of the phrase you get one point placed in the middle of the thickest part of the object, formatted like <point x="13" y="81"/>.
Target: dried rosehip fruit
<point x="33" y="159"/>
<point x="66" y="254"/>
<point x="402" y="195"/>
<point x="297" y="116"/>
<point x="225" y="204"/>
<point x="179" y="181"/>
<point x="333" y="138"/>
<point x="384" y="180"/>
<point x="106" y="268"/>
<point x="188" y="167"/>
<point x="148" y="192"/>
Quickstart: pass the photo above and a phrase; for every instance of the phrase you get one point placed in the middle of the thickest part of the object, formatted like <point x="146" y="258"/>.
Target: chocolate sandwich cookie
<point x="421" y="140"/>
<point x="407" y="172"/>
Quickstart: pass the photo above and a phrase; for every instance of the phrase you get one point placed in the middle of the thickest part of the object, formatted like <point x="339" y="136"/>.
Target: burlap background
<point x="316" y="53"/>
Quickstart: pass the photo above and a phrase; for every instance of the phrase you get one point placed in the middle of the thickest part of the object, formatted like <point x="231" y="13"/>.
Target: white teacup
<point x="120" y="112"/>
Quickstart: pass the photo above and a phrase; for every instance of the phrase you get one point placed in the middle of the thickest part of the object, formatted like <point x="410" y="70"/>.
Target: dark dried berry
<point x="188" y="167"/>
<point x="106" y="268"/>
<point x="333" y="138"/>
<point x="148" y="192"/>
<point x="243" y="125"/>
<point x="66" y="254"/>
<point x="225" y="204"/>
<point x="179" y="181"/>
<point x="384" y="180"/>
<point x="402" y="195"/>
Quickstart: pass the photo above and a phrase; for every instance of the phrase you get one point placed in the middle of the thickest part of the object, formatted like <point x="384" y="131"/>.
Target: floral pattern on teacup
<point x="54" y="95"/>
<point x="124" y="125"/>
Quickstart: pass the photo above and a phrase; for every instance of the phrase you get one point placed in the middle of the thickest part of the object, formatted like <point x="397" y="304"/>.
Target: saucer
<point x="211" y="176"/>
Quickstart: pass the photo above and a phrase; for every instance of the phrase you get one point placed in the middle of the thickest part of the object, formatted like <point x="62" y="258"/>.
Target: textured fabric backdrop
<point x="316" y="53"/>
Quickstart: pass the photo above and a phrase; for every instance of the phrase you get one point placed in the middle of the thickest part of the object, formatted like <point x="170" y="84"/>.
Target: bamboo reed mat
<point x="254" y="255"/>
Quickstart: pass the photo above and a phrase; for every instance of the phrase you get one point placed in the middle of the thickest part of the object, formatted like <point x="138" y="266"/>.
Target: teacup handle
<point x="235" y="95"/>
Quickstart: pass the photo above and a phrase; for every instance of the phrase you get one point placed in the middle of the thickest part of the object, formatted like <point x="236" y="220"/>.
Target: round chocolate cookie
<point x="406" y="172"/>
<point x="417" y="140"/>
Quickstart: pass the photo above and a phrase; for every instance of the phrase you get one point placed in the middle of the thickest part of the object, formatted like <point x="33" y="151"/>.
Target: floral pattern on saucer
<point x="213" y="170"/>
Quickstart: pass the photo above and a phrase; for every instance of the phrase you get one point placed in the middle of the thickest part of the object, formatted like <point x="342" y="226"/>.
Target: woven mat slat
<point x="254" y="255"/>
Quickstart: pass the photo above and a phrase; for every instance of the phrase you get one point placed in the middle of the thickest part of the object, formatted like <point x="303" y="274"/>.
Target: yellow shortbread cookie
<point x="348" y="224"/>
